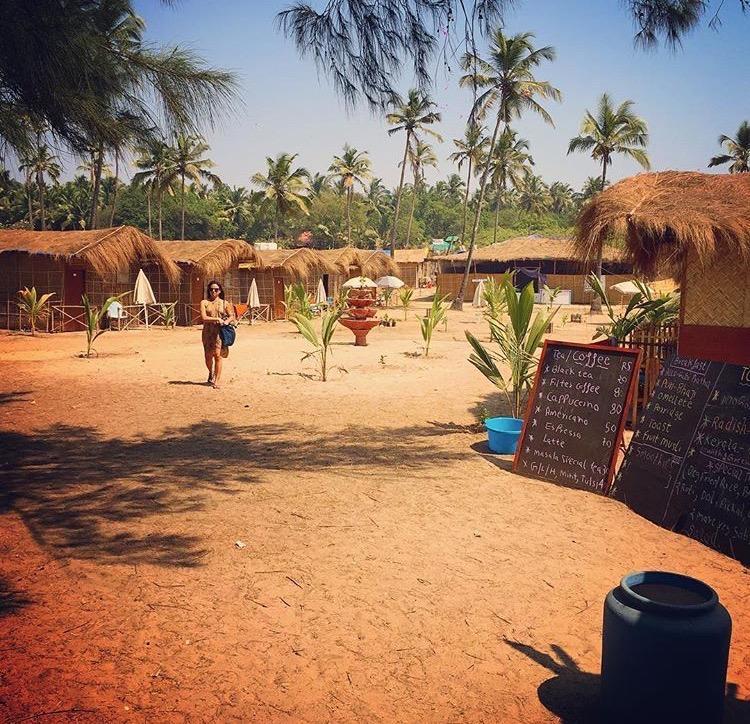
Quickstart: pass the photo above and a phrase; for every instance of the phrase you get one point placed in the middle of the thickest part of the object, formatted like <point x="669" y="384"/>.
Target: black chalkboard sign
<point x="576" y="414"/>
<point x="688" y="465"/>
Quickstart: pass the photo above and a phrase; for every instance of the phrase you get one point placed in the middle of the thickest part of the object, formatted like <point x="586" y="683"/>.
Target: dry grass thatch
<point x="529" y="248"/>
<point x="106" y="250"/>
<point x="664" y="215"/>
<point x="375" y="264"/>
<point x="344" y="258"/>
<point x="298" y="263"/>
<point x="410" y="256"/>
<point x="214" y="257"/>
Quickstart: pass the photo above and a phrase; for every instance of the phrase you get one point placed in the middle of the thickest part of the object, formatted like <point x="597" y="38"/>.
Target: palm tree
<point x="420" y="156"/>
<point x="352" y="167"/>
<point x="156" y="163"/>
<point x="416" y="115"/>
<point x="234" y="203"/>
<point x="591" y="187"/>
<point x="612" y="130"/>
<point x="37" y="164"/>
<point x="284" y="186"/>
<point x="738" y="151"/>
<point x="187" y="162"/>
<point x="510" y="162"/>
<point x="507" y="84"/>
<point x="454" y="187"/>
<point x="561" y="197"/>
<point x="319" y="183"/>
<point x="533" y="195"/>
<point x="470" y="149"/>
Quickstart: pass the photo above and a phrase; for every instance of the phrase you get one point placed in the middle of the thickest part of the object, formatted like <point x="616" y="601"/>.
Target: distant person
<point x="215" y="312"/>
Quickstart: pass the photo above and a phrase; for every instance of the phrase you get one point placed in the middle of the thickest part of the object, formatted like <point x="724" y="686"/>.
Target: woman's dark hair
<point x="208" y="289"/>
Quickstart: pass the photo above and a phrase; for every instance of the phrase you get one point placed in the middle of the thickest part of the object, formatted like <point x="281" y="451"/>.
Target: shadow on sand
<point x="85" y="496"/>
<point x="573" y="695"/>
<point x="10" y="599"/>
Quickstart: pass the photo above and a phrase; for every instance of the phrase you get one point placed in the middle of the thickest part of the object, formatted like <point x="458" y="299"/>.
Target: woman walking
<point x="215" y="312"/>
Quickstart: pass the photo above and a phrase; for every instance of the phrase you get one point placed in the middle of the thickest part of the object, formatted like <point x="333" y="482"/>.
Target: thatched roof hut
<point x="376" y="264"/>
<point x="297" y="263"/>
<point x="367" y="262"/>
<point x="410" y="256"/>
<point x="664" y="216"/>
<point x="106" y="251"/>
<point x="696" y="226"/>
<point x="213" y="257"/>
<point x="344" y="258"/>
<point x="529" y="248"/>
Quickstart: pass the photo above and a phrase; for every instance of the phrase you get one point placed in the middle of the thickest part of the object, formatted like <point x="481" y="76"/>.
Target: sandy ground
<point x="392" y="571"/>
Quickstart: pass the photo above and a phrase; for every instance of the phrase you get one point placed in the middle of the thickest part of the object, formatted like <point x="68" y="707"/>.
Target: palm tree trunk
<point x="29" y="198"/>
<point x="114" y="194"/>
<point x="398" y="196"/>
<point x="182" y="232"/>
<point x="411" y="213"/>
<point x="596" y="303"/>
<point x="40" y="184"/>
<point x="349" y="216"/>
<point x="160" y="199"/>
<point x="466" y="202"/>
<point x="276" y="224"/>
<point x="497" y="214"/>
<point x="97" y="183"/>
<point x="148" y="207"/>
<point x="458" y="302"/>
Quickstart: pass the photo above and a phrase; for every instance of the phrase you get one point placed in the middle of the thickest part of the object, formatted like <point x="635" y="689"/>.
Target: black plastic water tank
<point x="664" y="651"/>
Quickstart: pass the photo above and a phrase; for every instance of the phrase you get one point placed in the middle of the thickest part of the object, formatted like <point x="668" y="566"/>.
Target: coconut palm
<point x="156" y="162"/>
<point x="285" y="186"/>
<point x="421" y="155"/>
<point x="319" y="183"/>
<point x="471" y="149"/>
<point x="506" y="86"/>
<point x="352" y="168"/>
<point x="561" y="197"/>
<point x="416" y="115"/>
<point x="591" y="187"/>
<point x="612" y="130"/>
<point x="234" y="204"/>
<point x="188" y="162"/>
<point x="454" y="187"/>
<point x="738" y="151"/>
<point x="533" y="195"/>
<point x="510" y="163"/>
<point x="37" y="164"/>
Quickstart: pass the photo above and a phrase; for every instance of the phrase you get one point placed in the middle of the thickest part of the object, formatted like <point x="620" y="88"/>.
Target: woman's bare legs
<point x="217" y="367"/>
<point x="210" y="364"/>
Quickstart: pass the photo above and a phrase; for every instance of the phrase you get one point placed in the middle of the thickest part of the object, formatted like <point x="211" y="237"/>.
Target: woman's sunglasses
<point x="214" y="289"/>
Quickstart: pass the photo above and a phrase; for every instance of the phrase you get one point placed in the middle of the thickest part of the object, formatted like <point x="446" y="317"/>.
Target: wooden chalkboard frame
<point x="632" y="386"/>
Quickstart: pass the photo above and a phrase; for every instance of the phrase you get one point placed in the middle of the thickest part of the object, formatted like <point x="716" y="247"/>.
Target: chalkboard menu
<point x="576" y="413"/>
<point x="688" y="465"/>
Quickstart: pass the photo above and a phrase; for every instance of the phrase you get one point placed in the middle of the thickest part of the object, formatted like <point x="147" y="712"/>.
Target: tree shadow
<point x="10" y="599"/>
<point x="573" y="695"/>
<point x="111" y="500"/>
<point x="7" y="398"/>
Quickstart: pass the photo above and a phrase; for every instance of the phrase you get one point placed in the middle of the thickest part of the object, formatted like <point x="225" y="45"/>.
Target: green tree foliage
<point x="738" y="151"/>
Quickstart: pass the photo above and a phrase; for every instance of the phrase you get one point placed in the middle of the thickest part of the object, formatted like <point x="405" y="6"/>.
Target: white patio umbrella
<point x="389" y="283"/>
<point x="629" y="288"/>
<point x="359" y="283"/>
<point x="143" y="293"/>
<point x="478" y="300"/>
<point x="253" y="300"/>
<point x="321" y="297"/>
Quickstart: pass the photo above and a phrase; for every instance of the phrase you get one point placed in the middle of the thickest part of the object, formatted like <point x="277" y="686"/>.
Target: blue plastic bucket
<point x="503" y="434"/>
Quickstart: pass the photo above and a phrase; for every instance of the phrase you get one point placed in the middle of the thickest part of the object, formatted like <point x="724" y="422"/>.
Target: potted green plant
<point x="517" y="342"/>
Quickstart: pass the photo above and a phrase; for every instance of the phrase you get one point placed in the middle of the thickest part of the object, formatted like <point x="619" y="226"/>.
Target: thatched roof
<point x="528" y="248"/>
<point x="300" y="263"/>
<point x="213" y="257"/>
<point x="410" y="256"/>
<point x="664" y="215"/>
<point x="106" y="250"/>
<point x="344" y="258"/>
<point x="376" y="264"/>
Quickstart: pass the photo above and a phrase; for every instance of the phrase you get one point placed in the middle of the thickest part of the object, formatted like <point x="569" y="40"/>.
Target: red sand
<point x="392" y="572"/>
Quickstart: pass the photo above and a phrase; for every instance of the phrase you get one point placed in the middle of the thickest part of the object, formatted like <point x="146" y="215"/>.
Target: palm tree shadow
<point x="10" y="599"/>
<point x="573" y="695"/>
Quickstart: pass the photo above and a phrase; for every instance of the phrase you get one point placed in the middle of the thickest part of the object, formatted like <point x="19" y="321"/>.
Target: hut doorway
<point x="279" y="311"/>
<point x="74" y="287"/>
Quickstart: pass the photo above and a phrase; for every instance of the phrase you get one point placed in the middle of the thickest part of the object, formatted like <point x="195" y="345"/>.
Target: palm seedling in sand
<point x="33" y="306"/>
<point x="435" y="314"/>
<point x="92" y="317"/>
<point x="321" y="344"/>
<point x="404" y="296"/>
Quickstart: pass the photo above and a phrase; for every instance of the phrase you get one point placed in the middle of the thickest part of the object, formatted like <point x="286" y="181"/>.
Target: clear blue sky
<point x="688" y="97"/>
